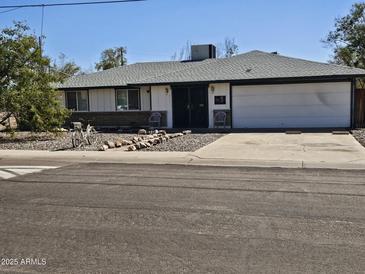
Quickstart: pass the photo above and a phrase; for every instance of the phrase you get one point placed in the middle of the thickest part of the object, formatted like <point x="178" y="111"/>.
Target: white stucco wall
<point x="161" y="100"/>
<point x="220" y="89"/>
<point x="145" y="98"/>
<point x="102" y="99"/>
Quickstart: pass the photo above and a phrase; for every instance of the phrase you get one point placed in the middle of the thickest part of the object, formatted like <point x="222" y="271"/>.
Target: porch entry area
<point x="190" y="106"/>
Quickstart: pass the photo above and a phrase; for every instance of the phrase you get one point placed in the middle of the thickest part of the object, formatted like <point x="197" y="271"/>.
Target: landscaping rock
<point x="142" y="144"/>
<point x="118" y="144"/>
<point x="135" y="139"/>
<point x="103" y="148"/>
<point x="189" y="142"/>
<point x="162" y="132"/>
<point x="142" y="132"/>
<point x="125" y="142"/>
<point x="110" y="144"/>
<point x="132" y="148"/>
<point x="185" y="132"/>
<point x="61" y="129"/>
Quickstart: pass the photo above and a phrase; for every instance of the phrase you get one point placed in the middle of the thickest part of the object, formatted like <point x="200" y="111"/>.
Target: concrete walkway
<point x="308" y="150"/>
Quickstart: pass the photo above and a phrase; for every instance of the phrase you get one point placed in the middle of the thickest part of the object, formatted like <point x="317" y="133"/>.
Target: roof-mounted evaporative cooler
<point x="202" y="52"/>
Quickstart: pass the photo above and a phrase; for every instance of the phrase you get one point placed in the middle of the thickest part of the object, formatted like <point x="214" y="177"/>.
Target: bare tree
<point x="230" y="47"/>
<point x="219" y="50"/>
<point x="174" y="57"/>
<point x="65" y="68"/>
<point x="183" y="54"/>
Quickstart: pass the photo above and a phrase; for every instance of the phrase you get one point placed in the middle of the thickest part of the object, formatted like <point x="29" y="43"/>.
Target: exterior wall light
<point x="212" y="88"/>
<point x="167" y="90"/>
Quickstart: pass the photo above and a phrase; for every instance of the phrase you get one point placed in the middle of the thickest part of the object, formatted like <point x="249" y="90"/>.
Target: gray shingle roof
<point x="248" y="66"/>
<point x="124" y="75"/>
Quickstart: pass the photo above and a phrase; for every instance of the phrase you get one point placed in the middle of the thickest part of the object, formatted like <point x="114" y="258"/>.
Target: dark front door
<point x="190" y="107"/>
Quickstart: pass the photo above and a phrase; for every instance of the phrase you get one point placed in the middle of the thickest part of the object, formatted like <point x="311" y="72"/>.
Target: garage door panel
<point x="257" y="103"/>
<point x="293" y="122"/>
<point x="336" y="87"/>
<point x="294" y="105"/>
<point x="306" y="98"/>
<point x="298" y="110"/>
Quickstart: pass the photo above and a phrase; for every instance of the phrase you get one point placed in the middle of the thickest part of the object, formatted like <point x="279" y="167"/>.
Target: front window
<point x="128" y="99"/>
<point x="77" y="100"/>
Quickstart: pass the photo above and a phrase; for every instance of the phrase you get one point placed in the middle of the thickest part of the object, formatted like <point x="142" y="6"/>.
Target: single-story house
<point x="255" y="89"/>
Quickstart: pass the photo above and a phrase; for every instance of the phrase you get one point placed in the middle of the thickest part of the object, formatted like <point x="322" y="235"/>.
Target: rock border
<point x="143" y="140"/>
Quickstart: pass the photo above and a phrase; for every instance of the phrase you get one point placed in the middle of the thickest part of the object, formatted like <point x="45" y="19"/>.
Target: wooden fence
<point x="359" y="108"/>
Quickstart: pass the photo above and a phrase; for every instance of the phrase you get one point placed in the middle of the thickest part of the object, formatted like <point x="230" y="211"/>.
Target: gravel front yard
<point x="47" y="141"/>
<point x="359" y="135"/>
<point x="189" y="142"/>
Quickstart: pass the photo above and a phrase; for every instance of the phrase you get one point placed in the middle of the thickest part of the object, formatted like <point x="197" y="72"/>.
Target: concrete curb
<point x="184" y="158"/>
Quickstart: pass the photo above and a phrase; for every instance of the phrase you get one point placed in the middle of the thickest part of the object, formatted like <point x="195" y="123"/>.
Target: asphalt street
<point x="120" y="218"/>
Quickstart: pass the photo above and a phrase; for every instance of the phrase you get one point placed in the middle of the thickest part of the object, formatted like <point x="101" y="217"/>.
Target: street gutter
<point x="161" y="158"/>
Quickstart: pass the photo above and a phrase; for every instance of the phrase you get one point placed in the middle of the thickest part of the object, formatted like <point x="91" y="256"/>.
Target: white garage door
<point x="292" y="105"/>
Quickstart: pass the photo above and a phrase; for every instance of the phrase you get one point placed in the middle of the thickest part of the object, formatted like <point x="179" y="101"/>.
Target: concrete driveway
<point x="288" y="150"/>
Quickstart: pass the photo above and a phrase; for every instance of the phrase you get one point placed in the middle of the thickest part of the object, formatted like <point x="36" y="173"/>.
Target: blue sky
<point x="155" y="29"/>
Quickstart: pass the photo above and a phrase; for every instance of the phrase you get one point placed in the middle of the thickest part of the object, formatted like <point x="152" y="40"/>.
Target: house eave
<point x="92" y="87"/>
<point x="256" y="81"/>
